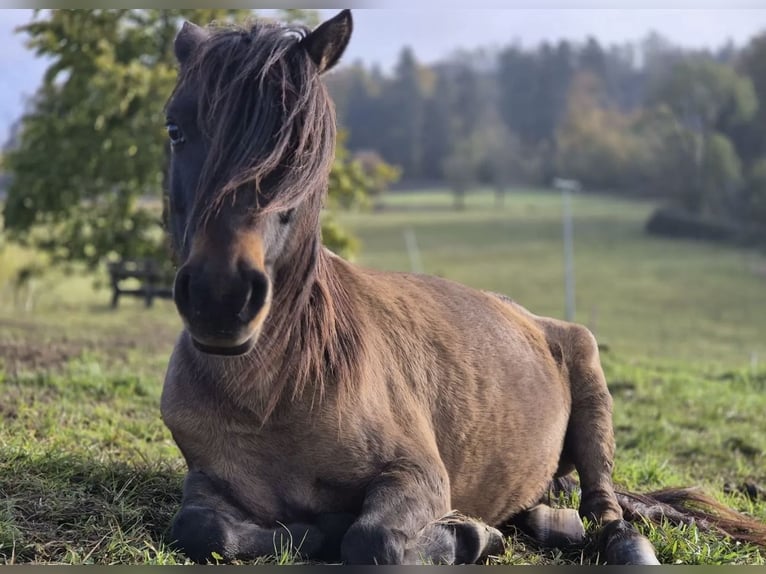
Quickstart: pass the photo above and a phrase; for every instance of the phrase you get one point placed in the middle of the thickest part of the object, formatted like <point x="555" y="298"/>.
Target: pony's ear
<point x="327" y="42"/>
<point x="187" y="41"/>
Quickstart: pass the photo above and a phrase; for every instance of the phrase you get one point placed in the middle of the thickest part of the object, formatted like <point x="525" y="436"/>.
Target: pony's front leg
<point x="208" y="524"/>
<point x="405" y="519"/>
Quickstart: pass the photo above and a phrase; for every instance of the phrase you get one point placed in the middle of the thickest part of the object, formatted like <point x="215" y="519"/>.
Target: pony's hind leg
<point x="589" y="446"/>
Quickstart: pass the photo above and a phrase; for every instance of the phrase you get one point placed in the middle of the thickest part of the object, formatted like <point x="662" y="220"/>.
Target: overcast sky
<point x="380" y="34"/>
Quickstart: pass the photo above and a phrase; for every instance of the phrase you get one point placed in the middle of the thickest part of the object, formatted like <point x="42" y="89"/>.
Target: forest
<point x="646" y="119"/>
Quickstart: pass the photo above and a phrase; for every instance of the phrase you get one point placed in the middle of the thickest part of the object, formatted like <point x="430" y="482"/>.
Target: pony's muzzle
<point x="222" y="310"/>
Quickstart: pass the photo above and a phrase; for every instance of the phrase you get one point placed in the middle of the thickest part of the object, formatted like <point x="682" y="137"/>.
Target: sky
<point x="380" y="34"/>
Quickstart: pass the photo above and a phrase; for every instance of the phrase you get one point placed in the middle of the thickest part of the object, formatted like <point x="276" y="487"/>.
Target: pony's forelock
<point x="266" y="115"/>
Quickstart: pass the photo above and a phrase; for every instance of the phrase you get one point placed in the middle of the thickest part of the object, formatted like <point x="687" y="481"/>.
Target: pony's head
<point x="252" y="132"/>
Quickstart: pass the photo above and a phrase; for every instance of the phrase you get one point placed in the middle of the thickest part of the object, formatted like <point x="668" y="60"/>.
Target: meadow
<point x="89" y="474"/>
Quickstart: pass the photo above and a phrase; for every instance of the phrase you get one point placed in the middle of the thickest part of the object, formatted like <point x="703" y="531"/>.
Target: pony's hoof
<point x="475" y="541"/>
<point x="494" y="544"/>
<point x="626" y="546"/>
<point x="632" y="551"/>
<point x="555" y="526"/>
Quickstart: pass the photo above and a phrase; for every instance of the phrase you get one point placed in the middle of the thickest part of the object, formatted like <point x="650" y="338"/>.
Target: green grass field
<point x="89" y="474"/>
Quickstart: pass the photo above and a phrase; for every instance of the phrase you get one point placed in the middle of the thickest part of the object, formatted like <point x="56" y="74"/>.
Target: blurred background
<point x="603" y="165"/>
<point x="607" y="166"/>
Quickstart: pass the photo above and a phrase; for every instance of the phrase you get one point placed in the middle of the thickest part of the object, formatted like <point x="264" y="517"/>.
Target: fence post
<point x="412" y="250"/>
<point x="567" y="186"/>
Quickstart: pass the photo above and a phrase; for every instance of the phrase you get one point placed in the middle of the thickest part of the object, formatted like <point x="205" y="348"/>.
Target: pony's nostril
<point x="243" y="311"/>
<point x="256" y="295"/>
<point x="181" y="289"/>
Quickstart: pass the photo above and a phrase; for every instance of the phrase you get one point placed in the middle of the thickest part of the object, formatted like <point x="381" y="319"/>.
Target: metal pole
<point x="413" y="251"/>
<point x="569" y="280"/>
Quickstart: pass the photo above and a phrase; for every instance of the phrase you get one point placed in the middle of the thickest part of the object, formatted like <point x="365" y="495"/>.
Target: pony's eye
<point x="174" y="133"/>
<point x="286" y="216"/>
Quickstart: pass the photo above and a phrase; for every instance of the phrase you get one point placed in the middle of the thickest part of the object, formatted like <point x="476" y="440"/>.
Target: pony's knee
<point x="373" y="544"/>
<point x="198" y="532"/>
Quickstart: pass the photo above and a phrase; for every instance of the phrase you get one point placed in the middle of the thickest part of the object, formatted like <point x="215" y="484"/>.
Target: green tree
<point x="598" y="145"/>
<point x="757" y="193"/>
<point x="459" y="169"/>
<point x="721" y="177"/>
<point x="88" y="168"/>
<point x="497" y="155"/>
<point x="705" y="95"/>
<point x="438" y="126"/>
<point x="701" y="100"/>
<point x="403" y="111"/>
<point x="750" y="137"/>
<point x="356" y="94"/>
<point x="92" y="145"/>
<point x="534" y="87"/>
<point x="351" y="183"/>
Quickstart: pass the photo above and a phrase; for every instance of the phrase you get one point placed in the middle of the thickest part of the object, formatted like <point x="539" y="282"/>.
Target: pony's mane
<point x="266" y="113"/>
<point x="271" y="127"/>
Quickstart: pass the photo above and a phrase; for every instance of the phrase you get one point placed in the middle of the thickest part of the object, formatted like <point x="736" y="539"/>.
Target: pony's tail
<point x="691" y="506"/>
<point x="682" y="506"/>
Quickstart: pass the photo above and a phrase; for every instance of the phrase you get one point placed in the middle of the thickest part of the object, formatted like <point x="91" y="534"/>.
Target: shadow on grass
<point x="64" y="508"/>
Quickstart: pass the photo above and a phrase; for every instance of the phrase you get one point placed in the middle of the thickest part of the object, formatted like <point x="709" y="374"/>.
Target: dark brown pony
<point x="355" y="415"/>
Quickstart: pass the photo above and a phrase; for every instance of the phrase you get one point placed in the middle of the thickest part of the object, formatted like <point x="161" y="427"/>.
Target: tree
<point x="750" y="137"/>
<point x="92" y="144"/>
<point x="403" y="112"/>
<point x="460" y="170"/>
<point x="89" y="165"/>
<point x="497" y="155"/>
<point x="702" y="100"/>
<point x="757" y="193"/>
<point x="534" y="86"/>
<point x="438" y="127"/>
<point x="722" y="178"/>
<point x="596" y="144"/>
<point x="517" y="81"/>
<point x="357" y="101"/>
<point x="352" y="183"/>
<point x="705" y="95"/>
<point x="593" y="60"/>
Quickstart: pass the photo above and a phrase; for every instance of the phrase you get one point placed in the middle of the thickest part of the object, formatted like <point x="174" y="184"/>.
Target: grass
<point x="642" y="296"/>
<point x="89" y="474"/>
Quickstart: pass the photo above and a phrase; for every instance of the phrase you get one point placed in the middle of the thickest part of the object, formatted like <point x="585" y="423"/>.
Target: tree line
<point x="646" y="118"/>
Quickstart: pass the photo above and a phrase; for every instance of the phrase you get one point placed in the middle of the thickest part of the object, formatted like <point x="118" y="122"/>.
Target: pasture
<point x="89" y="474"/>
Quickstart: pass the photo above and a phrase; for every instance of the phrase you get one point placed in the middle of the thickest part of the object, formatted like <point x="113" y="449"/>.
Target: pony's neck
<point x="294" y="283"/>
<point x="289" y="354"/>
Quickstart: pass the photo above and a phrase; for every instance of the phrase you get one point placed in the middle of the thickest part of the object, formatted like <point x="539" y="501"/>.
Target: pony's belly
<point x="510" y="484"/>
<point x="511" y="454"/>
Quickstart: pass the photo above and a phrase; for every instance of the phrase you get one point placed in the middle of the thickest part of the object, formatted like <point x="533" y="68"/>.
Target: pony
<point x="348" y="414"/>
